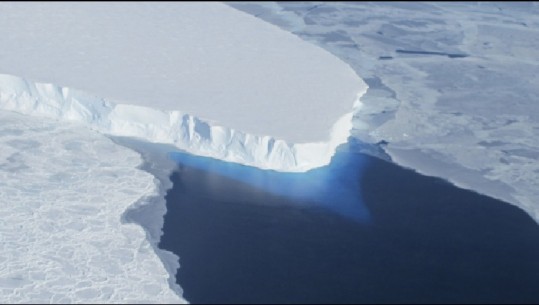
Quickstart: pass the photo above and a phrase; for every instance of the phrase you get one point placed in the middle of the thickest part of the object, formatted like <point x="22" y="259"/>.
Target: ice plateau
<point x="207" y="78"/>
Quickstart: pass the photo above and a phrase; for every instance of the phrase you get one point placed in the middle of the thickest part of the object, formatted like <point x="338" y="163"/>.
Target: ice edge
<point x="194" y="135"/>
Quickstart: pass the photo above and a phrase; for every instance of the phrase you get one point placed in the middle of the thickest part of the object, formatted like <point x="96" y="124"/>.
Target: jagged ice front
<point x="173" y="127"/>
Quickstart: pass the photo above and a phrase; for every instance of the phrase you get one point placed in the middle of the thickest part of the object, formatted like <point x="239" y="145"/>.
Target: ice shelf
<point x="206" y="77"/>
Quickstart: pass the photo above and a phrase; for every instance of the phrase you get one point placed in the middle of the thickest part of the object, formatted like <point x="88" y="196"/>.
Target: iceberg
<point x="207" y="78"/>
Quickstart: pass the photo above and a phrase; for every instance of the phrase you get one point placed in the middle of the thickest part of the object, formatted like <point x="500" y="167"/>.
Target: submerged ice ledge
<point x="185" y="131"/>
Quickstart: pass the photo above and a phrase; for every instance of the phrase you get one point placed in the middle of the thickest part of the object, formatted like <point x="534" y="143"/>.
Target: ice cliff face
<point x="205" y="77"/>
<point x="173" y="127"/>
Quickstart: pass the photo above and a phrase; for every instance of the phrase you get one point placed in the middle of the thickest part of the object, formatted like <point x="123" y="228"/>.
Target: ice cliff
<point x="180" y="129"/>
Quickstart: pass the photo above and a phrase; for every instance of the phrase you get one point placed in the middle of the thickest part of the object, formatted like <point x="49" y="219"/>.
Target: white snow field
<point x="63" y="191"/>
<point x="453" y="86"/>
<point x="207" y="78"/>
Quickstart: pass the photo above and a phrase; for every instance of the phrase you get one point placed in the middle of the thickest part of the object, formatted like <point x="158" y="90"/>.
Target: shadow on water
<point x="333" y="187"/>
<point x="243" y="237"/>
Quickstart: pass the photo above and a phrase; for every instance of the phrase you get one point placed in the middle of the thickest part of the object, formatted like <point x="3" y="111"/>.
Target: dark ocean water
<point x="359" y="230"/>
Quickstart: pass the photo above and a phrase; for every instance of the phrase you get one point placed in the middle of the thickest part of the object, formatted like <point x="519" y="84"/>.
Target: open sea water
<point x="359" y="230"/>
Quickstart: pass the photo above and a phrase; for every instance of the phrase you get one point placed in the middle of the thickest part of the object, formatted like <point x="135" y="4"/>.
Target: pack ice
<point x="63" y="191"/>
<point x="207" y="78"/>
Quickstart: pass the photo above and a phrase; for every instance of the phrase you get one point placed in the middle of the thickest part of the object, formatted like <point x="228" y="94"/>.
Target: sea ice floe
<point x="63" y="191"/>
<point x="470" y="116"/>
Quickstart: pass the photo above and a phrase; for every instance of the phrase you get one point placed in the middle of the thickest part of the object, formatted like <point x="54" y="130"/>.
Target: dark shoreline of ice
<point x="149" y="211"/>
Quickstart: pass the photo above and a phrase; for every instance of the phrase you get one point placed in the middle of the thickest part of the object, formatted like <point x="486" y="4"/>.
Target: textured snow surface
<point x="63" y="193"/>
<point x="453" y="86"/>
<point x="217" y="64"/>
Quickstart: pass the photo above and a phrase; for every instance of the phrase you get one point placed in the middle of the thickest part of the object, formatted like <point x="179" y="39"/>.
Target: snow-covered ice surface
<point x="453" y="87"/>
<point x="208" y="78"/>
<point x="63" y="193"/>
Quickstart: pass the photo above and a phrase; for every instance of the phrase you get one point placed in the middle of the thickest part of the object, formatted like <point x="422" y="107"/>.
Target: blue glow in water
<point x="333" y="187"/>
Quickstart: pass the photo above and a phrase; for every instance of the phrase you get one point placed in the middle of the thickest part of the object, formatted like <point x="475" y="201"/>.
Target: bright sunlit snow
<point x="210" y="79"/>
<point x="63" y="193"/>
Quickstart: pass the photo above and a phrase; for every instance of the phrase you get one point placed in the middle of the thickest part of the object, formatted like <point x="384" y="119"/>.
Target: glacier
<point x="207" y="78"/>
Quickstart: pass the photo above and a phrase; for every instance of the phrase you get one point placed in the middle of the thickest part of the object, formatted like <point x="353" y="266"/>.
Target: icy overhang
<point x="209" y="61"/>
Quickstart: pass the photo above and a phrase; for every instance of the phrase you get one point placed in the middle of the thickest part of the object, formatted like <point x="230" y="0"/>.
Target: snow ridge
<point x="192" y="134"/>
